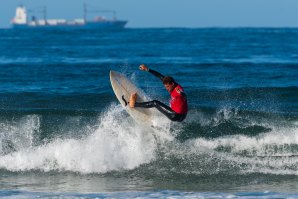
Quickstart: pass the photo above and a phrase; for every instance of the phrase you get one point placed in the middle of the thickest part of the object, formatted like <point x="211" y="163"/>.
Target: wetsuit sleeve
<point x="156" y="74"/>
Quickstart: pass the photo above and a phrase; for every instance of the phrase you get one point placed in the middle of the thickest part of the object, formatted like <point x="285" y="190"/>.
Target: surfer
<point x="177" y="110"/>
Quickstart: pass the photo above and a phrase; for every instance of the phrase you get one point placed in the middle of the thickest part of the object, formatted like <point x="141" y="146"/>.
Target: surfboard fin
<point x="125" y="102"/>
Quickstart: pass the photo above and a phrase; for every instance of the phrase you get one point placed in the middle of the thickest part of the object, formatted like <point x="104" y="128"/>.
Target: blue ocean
<point x="64" y="134"/>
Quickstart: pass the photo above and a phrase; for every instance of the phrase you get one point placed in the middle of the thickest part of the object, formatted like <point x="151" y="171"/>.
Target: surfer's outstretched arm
<point x="156" y="74"/>
<point x="153" y="72"/>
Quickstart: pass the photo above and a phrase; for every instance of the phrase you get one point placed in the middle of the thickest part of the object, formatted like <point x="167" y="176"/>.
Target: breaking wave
<point x="226" y="141"/>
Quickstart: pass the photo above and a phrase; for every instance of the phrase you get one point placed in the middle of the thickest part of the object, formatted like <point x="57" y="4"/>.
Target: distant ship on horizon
<point x="21" y="21"/>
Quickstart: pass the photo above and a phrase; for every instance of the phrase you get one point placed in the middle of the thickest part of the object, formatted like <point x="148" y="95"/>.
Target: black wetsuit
<point x="163" y="108"/>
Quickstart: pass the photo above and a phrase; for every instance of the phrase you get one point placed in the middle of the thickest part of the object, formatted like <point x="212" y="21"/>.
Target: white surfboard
<point x="123" y="88"/>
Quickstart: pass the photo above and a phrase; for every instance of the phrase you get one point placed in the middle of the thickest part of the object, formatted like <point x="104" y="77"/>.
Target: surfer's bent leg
<point x="163" y="108"/>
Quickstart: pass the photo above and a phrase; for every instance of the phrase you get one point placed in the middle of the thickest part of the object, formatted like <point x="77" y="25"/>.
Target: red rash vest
<point x="178" y="100"/>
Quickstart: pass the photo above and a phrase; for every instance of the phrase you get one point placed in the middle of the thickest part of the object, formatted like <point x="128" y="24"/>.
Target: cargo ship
<point x="21" y="20"/>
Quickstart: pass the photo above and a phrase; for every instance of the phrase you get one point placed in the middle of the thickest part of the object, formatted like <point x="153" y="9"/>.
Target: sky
<point x="170" y="13"/>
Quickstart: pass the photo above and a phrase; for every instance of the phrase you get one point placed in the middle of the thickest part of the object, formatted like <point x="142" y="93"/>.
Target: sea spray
<point x="117" y="144"/>
<point x="19" y="134"/>
<point x="274" y="151"/>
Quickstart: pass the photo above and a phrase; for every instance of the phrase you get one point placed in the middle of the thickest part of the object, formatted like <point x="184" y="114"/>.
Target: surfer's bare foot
<point x="132" y="100"/>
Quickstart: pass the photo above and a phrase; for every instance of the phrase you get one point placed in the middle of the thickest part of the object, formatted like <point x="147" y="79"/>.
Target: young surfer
<point x="178" y="103"/>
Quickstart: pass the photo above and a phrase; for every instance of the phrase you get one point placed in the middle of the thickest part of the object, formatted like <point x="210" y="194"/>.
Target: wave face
<point x="62" y="128"/>
<point x="224" y="141"/>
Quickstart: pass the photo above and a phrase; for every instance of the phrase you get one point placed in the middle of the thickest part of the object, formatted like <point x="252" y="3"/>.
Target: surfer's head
<point x="169" y="83"/>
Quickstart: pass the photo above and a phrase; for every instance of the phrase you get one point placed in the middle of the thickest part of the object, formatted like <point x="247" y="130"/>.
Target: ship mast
<point x="85" y="12"/>
<point x="97" y="11"/>
<point x="45" y="14"/>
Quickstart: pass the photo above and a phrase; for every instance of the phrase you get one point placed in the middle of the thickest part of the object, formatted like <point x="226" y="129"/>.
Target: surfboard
<point x="123" y="88"/>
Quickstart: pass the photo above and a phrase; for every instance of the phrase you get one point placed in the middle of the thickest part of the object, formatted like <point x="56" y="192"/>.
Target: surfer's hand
<point x="143" y="67"/>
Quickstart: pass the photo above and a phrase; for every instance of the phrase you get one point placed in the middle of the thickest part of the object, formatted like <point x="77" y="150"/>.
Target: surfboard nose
<point x="113" y="73"/>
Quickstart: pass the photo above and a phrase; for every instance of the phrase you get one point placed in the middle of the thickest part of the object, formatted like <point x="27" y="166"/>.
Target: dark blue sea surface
<point x="64" y="134"/>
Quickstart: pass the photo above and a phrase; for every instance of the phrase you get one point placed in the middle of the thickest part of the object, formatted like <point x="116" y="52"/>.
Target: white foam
<point x="20" y="134"/>
<point x="118" y="143"/>
<point x="277" y="137"/>
<point x="275" y="152"/>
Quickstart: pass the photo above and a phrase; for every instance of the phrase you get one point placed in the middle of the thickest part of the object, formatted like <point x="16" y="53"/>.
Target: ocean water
<point x="63" y="134"/>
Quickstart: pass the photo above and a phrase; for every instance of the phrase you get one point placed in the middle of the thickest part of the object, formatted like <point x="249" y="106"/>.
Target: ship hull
<point x="107" y="25"/>
<point x="114" y="25"/>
